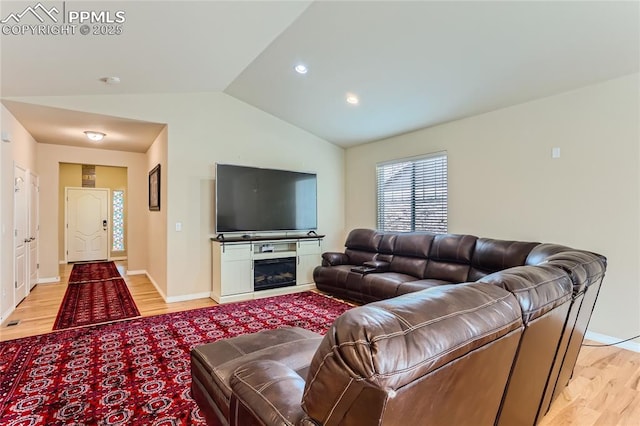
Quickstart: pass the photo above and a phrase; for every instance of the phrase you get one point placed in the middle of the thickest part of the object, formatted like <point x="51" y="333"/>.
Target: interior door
<point x="34" y="227"/>
<point x="87" y="224"/>
<point x="20" y="237"/>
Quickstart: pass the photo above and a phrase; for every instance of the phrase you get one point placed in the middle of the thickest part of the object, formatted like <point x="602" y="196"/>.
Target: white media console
<point x="255" y="267"/>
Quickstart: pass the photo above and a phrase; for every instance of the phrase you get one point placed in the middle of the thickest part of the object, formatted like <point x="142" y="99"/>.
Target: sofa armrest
<point x="377" y="265"/>
<point x="266" y="392"/>
<point x="334" y="259"/>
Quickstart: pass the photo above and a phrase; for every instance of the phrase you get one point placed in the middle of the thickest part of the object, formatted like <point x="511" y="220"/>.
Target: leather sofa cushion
<point x="412" y="286"/>
<point x="453" y="248"/>
<point x="334" y="259"/>
<point x="450" y="257"/>
<point x="329" y="277"/>
<point x="383" y="286"/>
<point x="266" y="393"/>
<point x="363" y="239"/>
<point x="541" y="252"/>
<point x="387" y="243"/>
<point x="447" y="271"/>
<point x="409" y="265"/>
<point x="584" y="268"/>
<point x="415" y="244"/>
<point x="410" y="253"/>
<point x="214" y="363"/>
<point x="491" y="255"/>
<point x="358" y="257"/>
<point x="539" y="289"/>
<point x="373" y="351"/>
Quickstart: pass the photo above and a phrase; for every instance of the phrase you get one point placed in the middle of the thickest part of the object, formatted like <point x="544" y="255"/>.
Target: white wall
<point x="205" y="128"/>
<point x="22" y="151"/>
<point x="504" y="184"/>
<point x="156" y="258"/>
<point x="49" y="159"/>
<point x="224" y="130"/>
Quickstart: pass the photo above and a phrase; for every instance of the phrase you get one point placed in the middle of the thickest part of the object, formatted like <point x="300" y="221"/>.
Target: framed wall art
<point x="154" y="189"/>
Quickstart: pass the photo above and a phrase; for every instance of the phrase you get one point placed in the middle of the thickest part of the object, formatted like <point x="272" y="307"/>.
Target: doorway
<point x="25" y="232"/>
<point x="34" y="229"/>
<point x="87" y="224"/>
<point x="20" y="230"/>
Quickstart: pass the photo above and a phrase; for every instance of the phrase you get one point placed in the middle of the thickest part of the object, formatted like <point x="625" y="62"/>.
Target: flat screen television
<point x="251" y="199"/>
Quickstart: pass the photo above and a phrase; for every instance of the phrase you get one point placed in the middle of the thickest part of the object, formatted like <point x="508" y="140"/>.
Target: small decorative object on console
<point x="267" y="248"/>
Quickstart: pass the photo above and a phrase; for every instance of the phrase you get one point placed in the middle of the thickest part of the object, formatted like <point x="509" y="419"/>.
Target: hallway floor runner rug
<point x="94" y="303"/>
<point x="94" y="271"/>
<point x="135" y="372"/>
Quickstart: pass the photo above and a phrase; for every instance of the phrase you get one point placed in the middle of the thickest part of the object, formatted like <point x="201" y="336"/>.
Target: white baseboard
<point x="5" y="315"/>
<point x="48" y="280"/>
<point x="155" y="284"/>
<point x="283" y="290"/>
<point x="184" y="298"/>
<point x="170" y="299"/>
<point x="62" y="262"/>
<point x="603" y="338"/>
<point x="262" y="293"/>
<point x="118" y="258"/>
<point x="233" y="298"/>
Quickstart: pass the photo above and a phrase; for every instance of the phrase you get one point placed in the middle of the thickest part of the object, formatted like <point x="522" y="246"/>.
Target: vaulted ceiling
<point x="412" y="64"/>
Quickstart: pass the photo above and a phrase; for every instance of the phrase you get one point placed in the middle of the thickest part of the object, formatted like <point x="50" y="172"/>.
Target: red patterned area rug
<point x="135" y="372"/>
<point x="95" y="302"/>
<point x="94" y="271"/>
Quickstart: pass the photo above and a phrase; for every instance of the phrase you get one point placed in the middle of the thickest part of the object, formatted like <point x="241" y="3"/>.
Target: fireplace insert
<point x="274" y="273"/>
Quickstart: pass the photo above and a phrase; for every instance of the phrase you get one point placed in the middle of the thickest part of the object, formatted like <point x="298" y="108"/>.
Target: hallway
<point x="38" y="311"/>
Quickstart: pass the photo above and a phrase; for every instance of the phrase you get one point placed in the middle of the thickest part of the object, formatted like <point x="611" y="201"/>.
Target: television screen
<point x="250" y="199"/>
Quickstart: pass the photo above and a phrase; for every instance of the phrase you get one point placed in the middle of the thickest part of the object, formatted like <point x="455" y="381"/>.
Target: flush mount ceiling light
<point x="94" y="136"/>
<point x="352" y="99"/>
<point x="301" y="69"/>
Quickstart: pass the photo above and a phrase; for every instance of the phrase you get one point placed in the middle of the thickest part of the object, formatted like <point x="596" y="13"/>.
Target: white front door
<point x="20" y="230"/>
<point x="34" y="227"/>
<point x="87" y="224"/>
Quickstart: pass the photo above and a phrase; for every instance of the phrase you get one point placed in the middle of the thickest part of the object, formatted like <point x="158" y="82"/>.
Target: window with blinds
<point x="412" y="194"/>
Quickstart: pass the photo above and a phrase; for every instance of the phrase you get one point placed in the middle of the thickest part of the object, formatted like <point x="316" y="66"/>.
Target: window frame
<point x="113" y="225"/>
<point x="443" y="209"/>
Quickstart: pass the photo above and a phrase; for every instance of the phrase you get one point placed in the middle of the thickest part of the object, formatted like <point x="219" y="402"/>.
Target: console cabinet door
<point x="308" y="258"/>
<point x="236" y="269"/>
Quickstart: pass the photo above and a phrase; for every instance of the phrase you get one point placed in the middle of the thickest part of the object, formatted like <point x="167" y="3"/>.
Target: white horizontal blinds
<point x="412" y="194"/>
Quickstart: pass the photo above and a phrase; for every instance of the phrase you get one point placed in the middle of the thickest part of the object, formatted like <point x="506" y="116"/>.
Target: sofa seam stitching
<point x="259" y="393"/>
<point x="440" y="318"/>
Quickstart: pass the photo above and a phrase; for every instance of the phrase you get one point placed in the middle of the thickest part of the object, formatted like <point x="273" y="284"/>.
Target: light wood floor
<point x="38" y="311"/>
<point x="605" y="389"/>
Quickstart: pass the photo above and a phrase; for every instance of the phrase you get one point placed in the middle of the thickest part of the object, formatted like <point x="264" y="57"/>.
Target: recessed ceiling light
<point x="301" y="69"/>
<point x="94" y="136"/>
<point x="111" y="80"/>
<point x="352" y="99"/>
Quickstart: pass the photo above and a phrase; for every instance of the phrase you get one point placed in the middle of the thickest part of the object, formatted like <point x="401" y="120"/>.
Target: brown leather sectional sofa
<point x="492" y="339"/>
<point x="438" y="357"/>
<point x="556" y="287"/>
